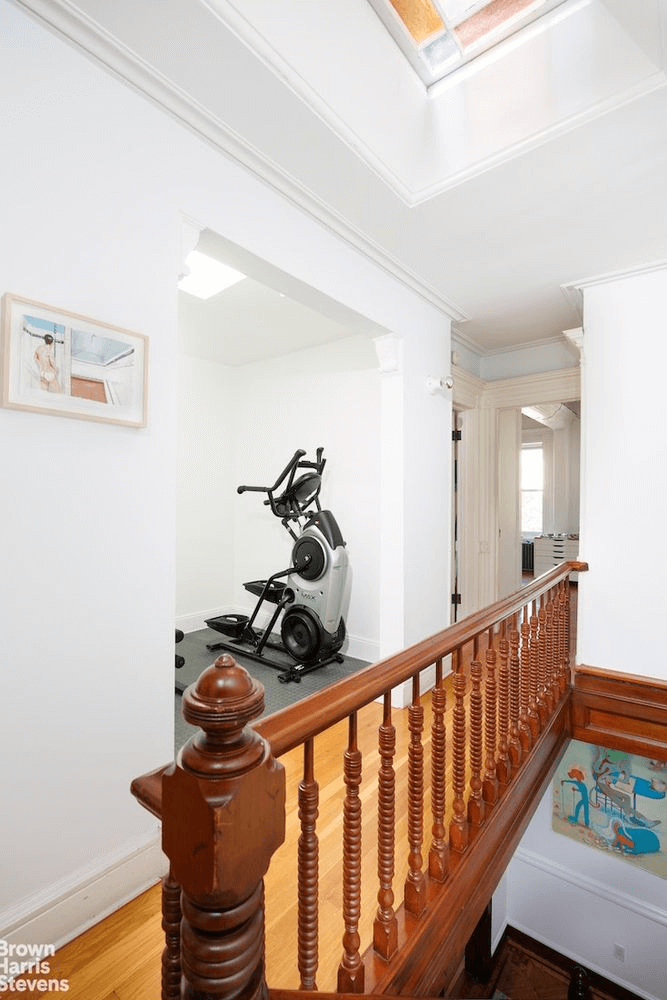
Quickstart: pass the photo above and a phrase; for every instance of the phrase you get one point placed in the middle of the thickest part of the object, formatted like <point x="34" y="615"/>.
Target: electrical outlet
<point x="619" y="952"/>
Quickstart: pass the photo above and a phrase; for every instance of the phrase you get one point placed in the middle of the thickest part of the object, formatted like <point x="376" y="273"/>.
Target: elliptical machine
<point x="310" y="593"/>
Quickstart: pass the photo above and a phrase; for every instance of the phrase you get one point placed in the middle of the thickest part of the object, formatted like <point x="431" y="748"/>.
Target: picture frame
<point x="63" y="364"/>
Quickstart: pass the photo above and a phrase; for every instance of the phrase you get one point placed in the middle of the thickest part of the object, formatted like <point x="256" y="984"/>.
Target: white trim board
<point x="71" y="906"/>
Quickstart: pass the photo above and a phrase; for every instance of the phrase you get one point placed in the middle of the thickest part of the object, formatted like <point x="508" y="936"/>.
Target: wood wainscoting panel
<point x="621" y="711"/>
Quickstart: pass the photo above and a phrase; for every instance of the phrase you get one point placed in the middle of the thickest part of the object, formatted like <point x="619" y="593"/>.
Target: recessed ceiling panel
<point x="438" y="36"/>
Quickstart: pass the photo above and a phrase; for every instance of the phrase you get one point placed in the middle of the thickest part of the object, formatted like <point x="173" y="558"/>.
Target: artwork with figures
<point x="615" y="802"/>
<point x="62" y="363"/>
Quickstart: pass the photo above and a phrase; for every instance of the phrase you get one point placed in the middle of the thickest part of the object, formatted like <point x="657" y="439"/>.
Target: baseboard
<point x="601" y="892"/>
<point x="584" y="961"/>
<point x="72" y="905"/>
<point x="356" y="646"/>
<point x="197" y="619"/>
<point x="361" y="649"/>
<point x="598" y="889"/>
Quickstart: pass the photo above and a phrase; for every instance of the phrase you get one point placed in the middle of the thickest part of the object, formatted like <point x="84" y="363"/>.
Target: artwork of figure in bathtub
<point x="613" y="801"/>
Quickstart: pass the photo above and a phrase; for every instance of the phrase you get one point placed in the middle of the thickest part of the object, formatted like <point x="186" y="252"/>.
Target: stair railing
<point x="222" y="803"/>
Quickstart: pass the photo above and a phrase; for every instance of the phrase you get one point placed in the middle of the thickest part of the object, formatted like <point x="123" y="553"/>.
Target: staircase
<point x="481" y="748"/>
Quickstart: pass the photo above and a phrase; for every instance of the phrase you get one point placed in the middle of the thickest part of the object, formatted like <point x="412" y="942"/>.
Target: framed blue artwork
<point x="615" y="802"/>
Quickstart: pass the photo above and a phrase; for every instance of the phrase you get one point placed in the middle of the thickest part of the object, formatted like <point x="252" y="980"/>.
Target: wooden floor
<point x="119" y="959"/>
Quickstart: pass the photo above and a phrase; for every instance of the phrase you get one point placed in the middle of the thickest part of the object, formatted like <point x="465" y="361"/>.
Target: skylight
<point x="439" y="36"/>
<point x="206" y="277"/>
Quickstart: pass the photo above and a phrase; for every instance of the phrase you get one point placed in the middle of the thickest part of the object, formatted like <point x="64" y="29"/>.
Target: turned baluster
<point x="415" y="883"/>
<point x="490" y="784"/>
<point x="504" y="765"/>
<point x="475" y="800"/>
<point x="525" y="737"/>
<point x="533" y="714"/>
<point x="458" y="827"/>
<point x="351" y="968"/>
<point x="564" y="635"/>
<point x="548" y="653"/>
<point x="218" y="839"/>
<point x="171" y="925"/>
<point x="542" y="707"/>
<point x="385" y="928"/>
<point x="566" y="631"/>
<point x="438" y="859"/>
<point x="515" y="693"/>
<point x="555" y="634"/>
<point x="308" y="872"/>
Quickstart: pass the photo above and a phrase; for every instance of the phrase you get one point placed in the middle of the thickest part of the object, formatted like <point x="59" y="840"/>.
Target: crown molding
<point x="571" y="287"/>
<point x="75" y="27"/>
<point x="412" y="196"/>
<point x="458" y="337"/>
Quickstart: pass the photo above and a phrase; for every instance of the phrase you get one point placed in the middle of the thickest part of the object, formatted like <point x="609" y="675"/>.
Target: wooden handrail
<point x="223" y="813"/>
<point x="292" y="726"/>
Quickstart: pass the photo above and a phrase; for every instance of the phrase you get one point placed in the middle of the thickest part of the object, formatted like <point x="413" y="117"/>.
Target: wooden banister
<point x="509" y="723"/>
<point x="290" y="727"/>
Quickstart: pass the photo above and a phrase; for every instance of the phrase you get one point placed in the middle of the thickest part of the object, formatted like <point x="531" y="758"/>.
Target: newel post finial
<point x="223" y="816"/>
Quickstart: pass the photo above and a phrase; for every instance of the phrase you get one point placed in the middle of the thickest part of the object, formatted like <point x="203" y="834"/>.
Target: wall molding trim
<point x="471" y="392"/>
<point x="602" y="279"/>
<point x="410" y="194"/>
<point x="592" y="886"/>
<point x="71" y="906"/>
<point x="622" y="711"/>
<point x="61" y="17"/>
<point x="468" y="389"/>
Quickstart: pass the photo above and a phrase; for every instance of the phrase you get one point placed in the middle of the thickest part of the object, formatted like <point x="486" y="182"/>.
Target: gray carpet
<point x="276" y="694"/>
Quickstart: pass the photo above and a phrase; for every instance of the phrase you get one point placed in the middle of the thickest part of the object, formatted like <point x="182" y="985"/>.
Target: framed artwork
<point x="615" y="802"/>
<point x="60" y="363"/>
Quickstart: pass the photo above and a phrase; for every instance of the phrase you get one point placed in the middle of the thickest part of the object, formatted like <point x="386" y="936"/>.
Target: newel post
<point x="223" y="816"/>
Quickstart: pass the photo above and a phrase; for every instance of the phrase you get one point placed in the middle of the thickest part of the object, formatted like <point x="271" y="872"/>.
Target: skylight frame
<point x="417" y="53"/>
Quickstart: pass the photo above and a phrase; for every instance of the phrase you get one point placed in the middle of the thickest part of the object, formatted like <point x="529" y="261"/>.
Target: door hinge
<point x="456" y="435"/>
<point x="456" y="598"/>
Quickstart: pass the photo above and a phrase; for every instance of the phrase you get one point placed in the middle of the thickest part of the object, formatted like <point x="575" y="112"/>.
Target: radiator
<point x="527" y="557"/>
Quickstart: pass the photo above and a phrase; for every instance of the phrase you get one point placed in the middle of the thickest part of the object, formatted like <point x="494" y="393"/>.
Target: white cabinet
<point x="550" y="550"/>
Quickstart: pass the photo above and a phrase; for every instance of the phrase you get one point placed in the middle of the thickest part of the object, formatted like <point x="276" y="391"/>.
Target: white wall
<point x="623" y="599"/>
<point x="596" y="901"/>
<point x="86" y="509"/>
<point x="94" y="181"/>
<point x="327" y="396"/>
<point x="204" y="494"/>
<point x="582" y="902"/>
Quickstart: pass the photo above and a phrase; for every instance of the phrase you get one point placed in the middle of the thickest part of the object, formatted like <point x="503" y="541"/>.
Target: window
<point x="438" y="36"/>
<point x="532" y="490"/>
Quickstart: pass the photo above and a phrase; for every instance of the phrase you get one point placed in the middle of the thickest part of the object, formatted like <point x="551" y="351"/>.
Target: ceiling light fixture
<point x="205" y="277"/>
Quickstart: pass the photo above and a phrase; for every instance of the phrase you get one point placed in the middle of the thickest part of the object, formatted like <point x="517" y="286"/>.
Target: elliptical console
<point x="314" y="591"/>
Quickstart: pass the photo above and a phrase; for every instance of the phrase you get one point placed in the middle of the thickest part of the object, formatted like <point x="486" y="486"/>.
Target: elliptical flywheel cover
<point x="301" y="634"/>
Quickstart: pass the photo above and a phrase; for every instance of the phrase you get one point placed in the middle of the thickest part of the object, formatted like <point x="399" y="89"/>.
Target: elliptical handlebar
<point x="290" y="467"/>
<point x="288" y="474"/>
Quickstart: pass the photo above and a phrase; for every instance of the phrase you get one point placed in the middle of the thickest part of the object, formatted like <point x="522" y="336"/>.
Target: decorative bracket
<point x="190" y="233"/>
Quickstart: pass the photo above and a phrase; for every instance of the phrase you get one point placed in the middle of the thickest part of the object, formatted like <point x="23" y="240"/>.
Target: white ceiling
<point x="541" y="166"/>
